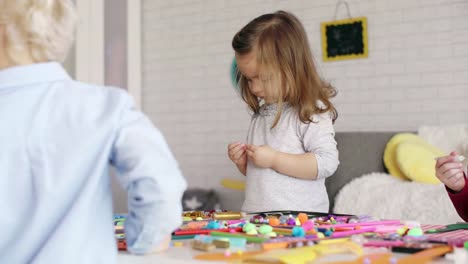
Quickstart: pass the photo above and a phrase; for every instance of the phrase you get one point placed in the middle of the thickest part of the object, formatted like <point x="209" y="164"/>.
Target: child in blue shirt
<point x="58" y="137"/>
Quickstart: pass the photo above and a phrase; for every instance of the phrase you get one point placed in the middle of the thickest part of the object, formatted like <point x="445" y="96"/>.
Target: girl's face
<point x="248" y="67"/>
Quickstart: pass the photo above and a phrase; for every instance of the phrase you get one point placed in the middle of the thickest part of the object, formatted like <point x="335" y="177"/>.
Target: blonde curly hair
<point x="41" y="30"/>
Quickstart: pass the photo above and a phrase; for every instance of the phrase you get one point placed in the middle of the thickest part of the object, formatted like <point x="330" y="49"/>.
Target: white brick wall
<point x="416" y="73"/>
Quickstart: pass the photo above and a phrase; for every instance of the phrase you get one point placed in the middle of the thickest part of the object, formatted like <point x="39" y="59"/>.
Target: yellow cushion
<point x="416" y="160"/>
<point x="390" y="153"/>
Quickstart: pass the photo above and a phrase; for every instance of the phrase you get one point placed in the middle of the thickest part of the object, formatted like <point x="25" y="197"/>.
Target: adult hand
<point x="450" y="171"/>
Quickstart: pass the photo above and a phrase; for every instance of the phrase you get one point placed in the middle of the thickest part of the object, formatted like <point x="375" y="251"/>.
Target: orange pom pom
<point x="273" y="221"/>
<point x="302" y="218"/>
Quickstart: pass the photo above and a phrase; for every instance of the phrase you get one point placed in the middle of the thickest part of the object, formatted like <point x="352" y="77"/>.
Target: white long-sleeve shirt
<point x="57" y="139"/>
<point x="269" y="190"/>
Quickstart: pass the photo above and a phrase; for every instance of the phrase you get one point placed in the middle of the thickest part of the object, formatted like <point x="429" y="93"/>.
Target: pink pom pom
<point x="308" y="225"/>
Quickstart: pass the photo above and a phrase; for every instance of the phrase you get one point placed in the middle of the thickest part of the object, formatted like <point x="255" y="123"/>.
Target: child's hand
<point x="450" y="171"/>
<point x="237" y="154"/>
<point x="262" y="156"/>
<point x="163" y="245"/>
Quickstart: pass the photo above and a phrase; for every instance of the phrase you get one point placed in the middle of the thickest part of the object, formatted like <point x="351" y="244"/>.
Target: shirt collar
<point x="272" y="109"/>
<point x="32" y="74"/>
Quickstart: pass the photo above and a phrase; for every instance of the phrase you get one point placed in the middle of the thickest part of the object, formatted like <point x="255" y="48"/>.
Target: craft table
<point x="184" y="255"/>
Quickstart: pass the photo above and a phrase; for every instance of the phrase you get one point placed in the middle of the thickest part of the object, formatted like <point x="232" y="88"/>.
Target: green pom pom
<point x="265" y="229"/>
<point x="248" y="227"/>
<point x="415" y="232"/>
<point x="252" y="232"/>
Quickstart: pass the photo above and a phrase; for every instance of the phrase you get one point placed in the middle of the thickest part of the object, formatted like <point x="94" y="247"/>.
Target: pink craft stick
<point x="233" y="222"/>
<point x="388" y="228"/>
<point x="373" y="223"/>
<point x="353" y="232"/>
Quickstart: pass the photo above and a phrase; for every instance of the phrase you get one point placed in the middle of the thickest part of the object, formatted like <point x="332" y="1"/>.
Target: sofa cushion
<point x="390" y="157"/>
<point x="416" y="159"/>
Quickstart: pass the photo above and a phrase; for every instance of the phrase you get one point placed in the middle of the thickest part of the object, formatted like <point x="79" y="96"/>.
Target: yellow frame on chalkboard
<point x="324" y="25"/>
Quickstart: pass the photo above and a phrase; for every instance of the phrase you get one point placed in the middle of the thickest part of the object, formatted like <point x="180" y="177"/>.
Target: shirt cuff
<point x="458" y="196"/>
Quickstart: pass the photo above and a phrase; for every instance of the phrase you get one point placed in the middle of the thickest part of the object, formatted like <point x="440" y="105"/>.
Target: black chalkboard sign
<point x="344" y="39"/>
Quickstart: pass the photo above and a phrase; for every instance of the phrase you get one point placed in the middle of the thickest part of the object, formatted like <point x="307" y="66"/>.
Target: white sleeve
<point x="318" y="137"/>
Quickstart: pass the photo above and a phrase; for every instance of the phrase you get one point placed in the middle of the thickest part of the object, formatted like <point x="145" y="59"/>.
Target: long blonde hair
<point x="283" y="54"/>
<point x="42" y="30"/>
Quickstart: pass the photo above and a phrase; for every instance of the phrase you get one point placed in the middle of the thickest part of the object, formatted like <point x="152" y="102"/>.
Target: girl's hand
<point x="262" y="156"/>
<point x="236" y="152"/>
<point x="450" y="171"/>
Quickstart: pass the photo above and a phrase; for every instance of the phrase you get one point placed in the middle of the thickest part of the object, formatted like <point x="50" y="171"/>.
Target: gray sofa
<point x="360" y="153"/>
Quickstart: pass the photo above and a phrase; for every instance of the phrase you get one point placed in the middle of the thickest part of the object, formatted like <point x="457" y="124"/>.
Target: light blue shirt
<point x="57" y="139"/>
